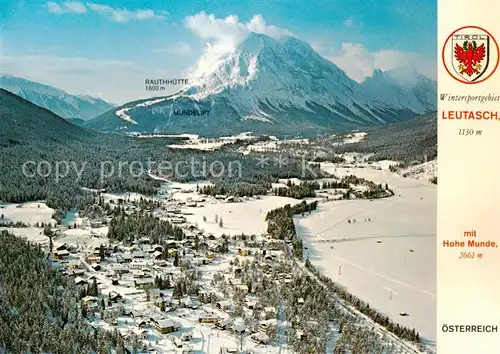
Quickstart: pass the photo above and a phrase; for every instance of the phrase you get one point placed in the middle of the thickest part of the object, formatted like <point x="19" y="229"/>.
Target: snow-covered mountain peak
<point x="401" y="76"/>
<point x="274" y="69"/>
<point x="279" y="84"/>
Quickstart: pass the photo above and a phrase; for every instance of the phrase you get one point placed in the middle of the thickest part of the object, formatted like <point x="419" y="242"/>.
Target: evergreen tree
<point x="101" y="252"/>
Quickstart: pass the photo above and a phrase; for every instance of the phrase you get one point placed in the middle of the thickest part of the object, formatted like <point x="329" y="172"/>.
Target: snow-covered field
<point x="246" y="217"/>
<point x="389" y="261"/>
<point x="205" y="146"/>
<point x="33" y="234"/>
<point x="352" y="138"/>
<point x="28" y="213"/>
<point x="197" y="143"/>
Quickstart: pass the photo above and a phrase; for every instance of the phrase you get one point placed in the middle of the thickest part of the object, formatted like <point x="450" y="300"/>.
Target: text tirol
<point x="469" y="243"/>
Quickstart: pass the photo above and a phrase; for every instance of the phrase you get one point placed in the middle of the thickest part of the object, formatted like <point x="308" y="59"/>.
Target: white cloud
<point x="66" y="7"/>
<point x="125" y="15"/>
<point x="75" y="6"/>
<point x="258" y="25"/>
<point x="222" y="35"/>
<point x="54" y="8"/>
<point x="359" y="63"/>
<point x="114" y="14"/>
<point x="230" y="28"/>
<point x="117" y="81"/>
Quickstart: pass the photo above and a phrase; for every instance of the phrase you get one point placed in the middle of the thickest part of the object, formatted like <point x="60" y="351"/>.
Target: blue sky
<point x="109" y="47"/>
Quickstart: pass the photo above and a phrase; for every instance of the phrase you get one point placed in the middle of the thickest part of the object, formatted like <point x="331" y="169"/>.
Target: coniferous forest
<point x="35" y="142"/>
<point x="39" y="308"/>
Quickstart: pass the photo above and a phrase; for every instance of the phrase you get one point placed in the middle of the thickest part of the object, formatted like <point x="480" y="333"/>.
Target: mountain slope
<point x="403" y="86"/>
<point x="27" y="124"/>
<point x="270" y="86"/>
<point x="407" y="142"/>
<point x="60" y="102"/>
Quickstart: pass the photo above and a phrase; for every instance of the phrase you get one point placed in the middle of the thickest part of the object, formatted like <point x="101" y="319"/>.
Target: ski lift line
<point x="368" y="322"/>
<point x="395" y="281"/>
<point x="343" y="220"/>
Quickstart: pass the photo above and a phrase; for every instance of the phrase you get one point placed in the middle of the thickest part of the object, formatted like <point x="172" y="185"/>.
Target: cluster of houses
<point x="123" y="272"/>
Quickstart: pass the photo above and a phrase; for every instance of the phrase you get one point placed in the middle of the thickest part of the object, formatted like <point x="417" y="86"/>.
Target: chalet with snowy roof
<point x="93" y="259"/>
<point x="124" y="258"/>
<point x="235" y="281"/>
<point x="208" y="318"/>
<point x="141" y="322"/>
<point x="224" y="305"/>
<point x="96" y="267"/>
<point x="138" y="264"/>
<point x="173" y="210"/>
<point x="80" y="281"/>
<point x="141" y="333"/>
<point x="251" y="304"/>
<point x="264" y="325"/>
<point x="224" y="323"/>
<point x="62" y="247"/>
<point x="260" y="338"/>
<point x="139" y="254"/>
<point x="90" y="301"/>
<point x="138" y="274"/>
<point x="186" y="336"/>
<point x="274" y="244"/>
<point x="78" y="272"/>
<point x="238" y="328"/>
<point x="165" y="326"/>
<point x="243" y="288"/>
<point x="160" y="263"/>
<point x="121" y="269"/>
<point x="270" y="309"/>
<point x="177" y="220"/>
<point x="95" y="224"/>
<point x="157" y="247"/>
<point x="61" y="254"/>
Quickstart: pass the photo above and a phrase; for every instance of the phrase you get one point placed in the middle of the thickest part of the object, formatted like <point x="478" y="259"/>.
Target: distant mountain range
<point x="77" y="107"/>
<point x="281" y="87"/>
